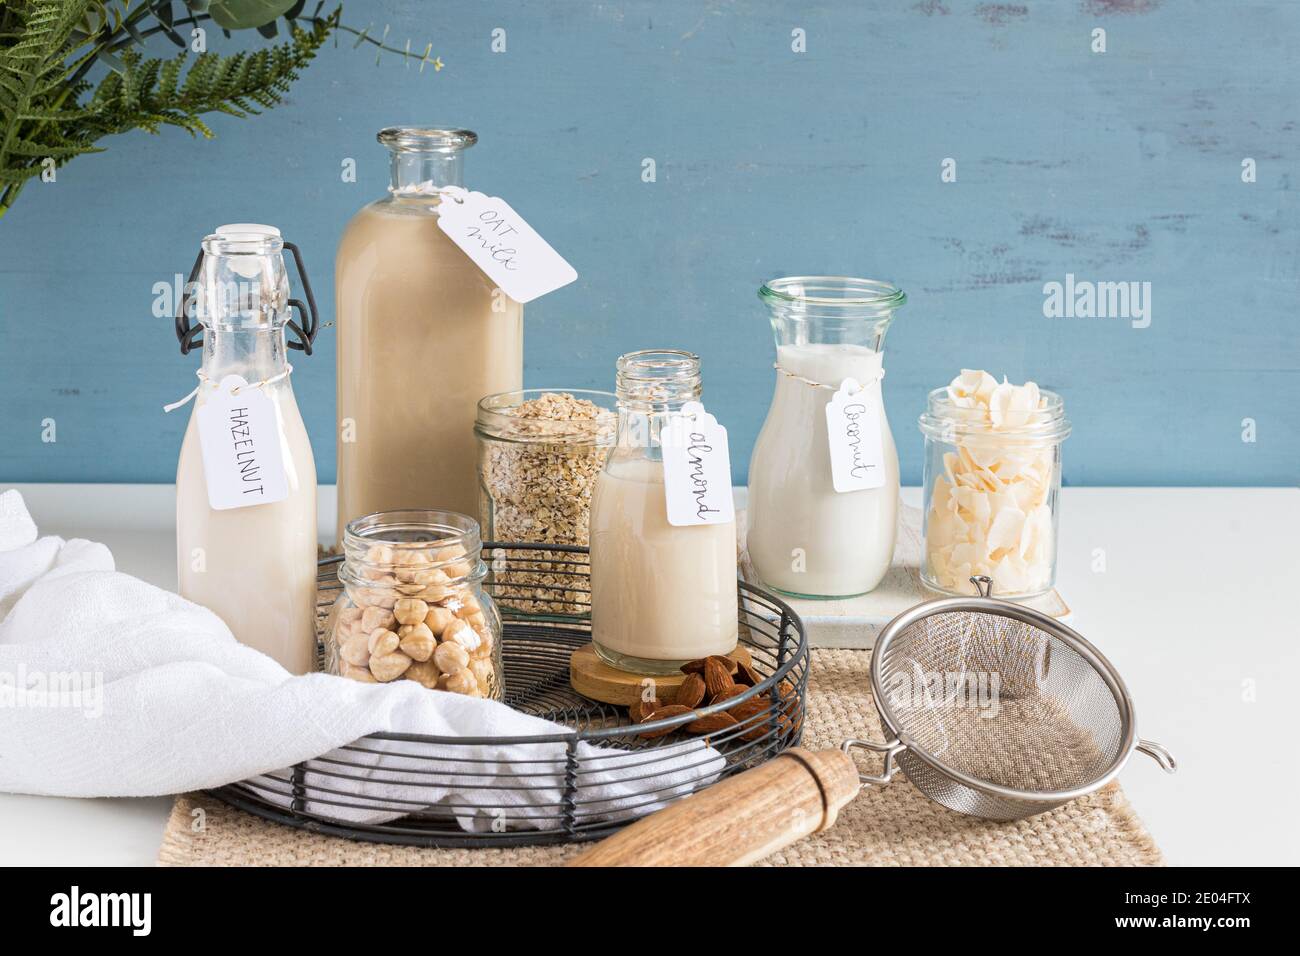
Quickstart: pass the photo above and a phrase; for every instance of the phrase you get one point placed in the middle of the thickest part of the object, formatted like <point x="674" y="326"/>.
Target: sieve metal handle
<point x="1159" y="754"/>
<point x="889" y="749"/>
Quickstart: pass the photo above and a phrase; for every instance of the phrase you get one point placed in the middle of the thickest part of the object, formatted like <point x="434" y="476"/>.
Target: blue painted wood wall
<point x="1117" y="166"/>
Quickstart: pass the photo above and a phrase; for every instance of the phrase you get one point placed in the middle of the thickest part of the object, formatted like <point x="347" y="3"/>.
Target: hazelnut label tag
<point x="239" y="435"/>
<point x="853" y="432"/>
<point x="498" y="241"/>
<point x="697" y="468"/>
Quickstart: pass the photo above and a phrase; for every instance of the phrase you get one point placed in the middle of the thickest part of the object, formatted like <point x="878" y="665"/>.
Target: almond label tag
<point x="697" y="469"/>
<point x="239" y="435"/>
<point x="853" y="432"/>
<point x="508" y="250"/>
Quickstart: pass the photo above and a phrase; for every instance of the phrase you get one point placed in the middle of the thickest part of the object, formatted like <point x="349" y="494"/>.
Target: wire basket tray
<point x="545" y="782"/>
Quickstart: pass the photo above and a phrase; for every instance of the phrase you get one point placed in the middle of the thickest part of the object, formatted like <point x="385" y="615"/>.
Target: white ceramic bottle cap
<point x="244" y="228"/>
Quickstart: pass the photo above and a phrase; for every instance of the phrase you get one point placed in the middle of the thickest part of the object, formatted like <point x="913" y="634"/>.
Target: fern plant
<point x="51" y="111"/>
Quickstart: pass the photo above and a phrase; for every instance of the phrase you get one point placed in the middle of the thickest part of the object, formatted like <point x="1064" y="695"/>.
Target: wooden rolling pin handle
<point x="740" y="820"/>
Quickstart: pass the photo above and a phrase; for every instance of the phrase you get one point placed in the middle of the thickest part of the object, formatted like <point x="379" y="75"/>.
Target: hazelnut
<point x="438" y="618"/>
<point x="468" y="605"/>
<point x="410" y="611"/>
<point x="461" y="633"/>
<point x="356" y="650"/>
<point x="373" y="617"/>
<point x="459" y="682"/>
<point x="450" y="553"/>
<point x="387" y="667"/>
<point x="434" y="593"/>
<point x="352" y="672"/>
<point x="382" y="641"/>
<point x="410" y="558"/>
<point x="378" y="597"/>
<point x="425" y="673"/>
<point x="450" y="657"/>
<point x="483" y="672"/>
<point x="417" y="641"/>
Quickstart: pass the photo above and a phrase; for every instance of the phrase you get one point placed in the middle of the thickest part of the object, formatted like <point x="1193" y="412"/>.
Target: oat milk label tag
<point x="853" y="432"/>
<point x="239" y="433"/>
<point x="697" y="468"/>
<point x="507" y="249"/>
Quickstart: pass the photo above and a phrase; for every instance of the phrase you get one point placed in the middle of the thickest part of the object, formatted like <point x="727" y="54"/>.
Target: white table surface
<point x="1195" y="607"/>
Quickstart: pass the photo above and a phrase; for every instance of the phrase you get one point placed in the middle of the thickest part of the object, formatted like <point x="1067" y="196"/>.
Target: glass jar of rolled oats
<point x="413" y="605"/>
<point x="540" y="452"/>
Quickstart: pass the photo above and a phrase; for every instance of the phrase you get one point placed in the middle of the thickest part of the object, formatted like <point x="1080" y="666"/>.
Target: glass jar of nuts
<point x="413" y="606"/>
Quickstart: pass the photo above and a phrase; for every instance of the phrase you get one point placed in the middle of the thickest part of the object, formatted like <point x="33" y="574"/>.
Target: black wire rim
<point x="536" y="646"/>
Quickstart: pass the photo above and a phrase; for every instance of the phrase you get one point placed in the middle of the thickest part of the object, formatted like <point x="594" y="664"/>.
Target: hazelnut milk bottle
<point x="246" y="480"/>
<point x="661" y="594"/>
<point x="423" y="334"/>
<point x="823" y="501"/>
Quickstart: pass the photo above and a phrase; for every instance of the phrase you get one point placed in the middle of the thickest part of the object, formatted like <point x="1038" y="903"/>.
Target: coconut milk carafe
<point x="246" y="480"/>
<point x="807" y="538"/>
<point x="423" y="334"/>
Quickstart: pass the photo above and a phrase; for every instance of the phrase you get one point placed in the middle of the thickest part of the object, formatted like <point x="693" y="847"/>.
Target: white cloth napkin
<point x="112" y="687"/>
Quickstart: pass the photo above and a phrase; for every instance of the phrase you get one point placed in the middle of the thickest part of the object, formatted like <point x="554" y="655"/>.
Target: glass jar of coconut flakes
<point x="540" y="452"/>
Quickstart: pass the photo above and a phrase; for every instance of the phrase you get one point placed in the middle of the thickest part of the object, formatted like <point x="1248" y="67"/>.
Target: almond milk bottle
<point x="246" y="480"/>
<point x="661" y="594"/>
<point x="423" y="334"/>
<point x="806" y="538"/>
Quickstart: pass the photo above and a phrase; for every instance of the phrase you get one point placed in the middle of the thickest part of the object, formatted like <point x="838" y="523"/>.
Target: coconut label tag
<point x="697" y="469"/>
<point x="508" y="250"/>
<point x="239" y="434"/>
<point x="853" y="432"/>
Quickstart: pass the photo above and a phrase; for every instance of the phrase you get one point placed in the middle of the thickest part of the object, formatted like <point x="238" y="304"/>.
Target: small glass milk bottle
<point x="805" y="537"/>
<point x="253" y="565"/>
<point x="661" y="594"/>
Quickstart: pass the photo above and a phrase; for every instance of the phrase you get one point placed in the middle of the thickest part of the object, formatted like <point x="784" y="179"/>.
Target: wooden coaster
<point x="592" y="677"/>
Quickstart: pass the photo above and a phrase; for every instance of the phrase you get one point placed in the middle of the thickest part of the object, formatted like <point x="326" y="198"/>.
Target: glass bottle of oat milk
<point x="246" y="481"/>
<point x="423" y="334"/>
<point x="815" y="531"/>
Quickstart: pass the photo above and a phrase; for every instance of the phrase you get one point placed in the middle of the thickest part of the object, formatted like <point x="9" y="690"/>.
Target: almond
<point x="748" y="708"/>
<point x="697" y="666"/>
<point x="727" y="693"/>
<point x="745" y="674"/>
<point x="691" y="692"/>
<point x="711" y="723"/>
<point x="716" y="676"/>
<point x="663" y="713"/>
<point x="752" y="715"/>
<point x="639" y="710"/>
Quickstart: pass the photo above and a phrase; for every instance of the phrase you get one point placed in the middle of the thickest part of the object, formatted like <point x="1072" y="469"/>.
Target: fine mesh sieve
<point x="996" y="710"/>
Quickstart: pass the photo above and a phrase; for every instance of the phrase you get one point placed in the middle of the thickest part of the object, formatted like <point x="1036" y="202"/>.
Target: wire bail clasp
<point x="304" y="334"/>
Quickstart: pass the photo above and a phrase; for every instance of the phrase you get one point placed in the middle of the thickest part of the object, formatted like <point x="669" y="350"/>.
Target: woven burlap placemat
<point x="883" y="826"/>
